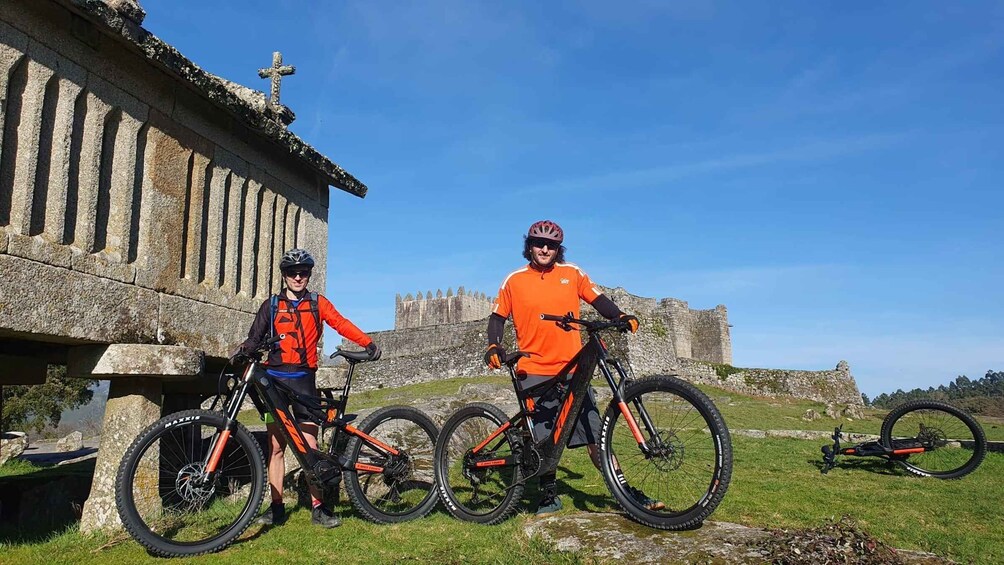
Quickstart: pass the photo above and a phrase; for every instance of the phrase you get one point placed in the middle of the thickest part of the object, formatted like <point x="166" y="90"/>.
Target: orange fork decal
<point x="631" y="423"/>
<point x="562" y="417"/>
<point x="494" y="435"/>
<point x="355" y="431"/>
<point x="909" y="450"/>
<point x="218" y="451"/>
<point x="291" y="429"/>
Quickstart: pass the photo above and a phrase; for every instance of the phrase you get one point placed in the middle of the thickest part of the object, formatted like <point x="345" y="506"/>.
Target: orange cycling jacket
<point x="526" y="294"/>
<point x="298" y="351"/>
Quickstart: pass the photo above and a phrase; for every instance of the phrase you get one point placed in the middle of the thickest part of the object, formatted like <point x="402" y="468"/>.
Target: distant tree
<point x="33" y="407"/>
<point x="962" y="392"/>
<point x="864" y="399"/>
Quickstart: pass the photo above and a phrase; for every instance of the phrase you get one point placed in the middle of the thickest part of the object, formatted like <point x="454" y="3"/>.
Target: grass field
<point x="775" y="483"/>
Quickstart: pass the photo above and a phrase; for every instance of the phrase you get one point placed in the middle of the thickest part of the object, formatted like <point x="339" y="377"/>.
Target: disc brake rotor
<point x="667" y="453"/>
<point x="190" y="485"/>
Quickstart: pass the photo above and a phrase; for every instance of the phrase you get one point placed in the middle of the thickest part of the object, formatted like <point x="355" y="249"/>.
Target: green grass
<point x="17" y="467"/>
<point x="776" y="483"/>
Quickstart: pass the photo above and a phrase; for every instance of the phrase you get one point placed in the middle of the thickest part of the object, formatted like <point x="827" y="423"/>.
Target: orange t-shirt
<point x="525" y="295"/>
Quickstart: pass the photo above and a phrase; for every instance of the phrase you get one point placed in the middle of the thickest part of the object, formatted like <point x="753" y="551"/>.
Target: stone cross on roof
<point x="275" y="72"/>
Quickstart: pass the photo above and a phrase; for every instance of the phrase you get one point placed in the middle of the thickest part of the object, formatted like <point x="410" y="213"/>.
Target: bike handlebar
<point x="565" y="322"/>
<point x="254" y="353"/>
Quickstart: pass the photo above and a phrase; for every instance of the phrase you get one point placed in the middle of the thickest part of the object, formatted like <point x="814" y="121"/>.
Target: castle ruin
<point x="438" y="336"/>
<point x="426" y="310"/>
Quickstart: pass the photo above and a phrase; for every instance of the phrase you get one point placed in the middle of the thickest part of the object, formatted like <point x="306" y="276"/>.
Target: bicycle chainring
<point x="529" y="460"/>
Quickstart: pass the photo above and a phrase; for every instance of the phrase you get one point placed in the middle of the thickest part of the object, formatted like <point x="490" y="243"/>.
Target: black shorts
<point x="304" y="386"/>
<point x="587" y="427"/>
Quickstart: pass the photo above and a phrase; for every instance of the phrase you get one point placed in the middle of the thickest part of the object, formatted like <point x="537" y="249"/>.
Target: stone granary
<point x="144" y="204"/>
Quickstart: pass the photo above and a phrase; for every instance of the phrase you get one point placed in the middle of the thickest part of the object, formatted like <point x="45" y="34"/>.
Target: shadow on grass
<point x="42" y="503"/>
<point x="874" y="465"/>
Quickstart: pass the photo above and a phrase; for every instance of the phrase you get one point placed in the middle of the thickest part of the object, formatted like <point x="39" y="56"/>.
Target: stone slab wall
<point x="133" y="210"/>
<point x="836" y="385"/>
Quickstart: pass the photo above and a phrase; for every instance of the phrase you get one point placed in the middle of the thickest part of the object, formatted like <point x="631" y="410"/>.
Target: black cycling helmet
<point x="296" y="258"/>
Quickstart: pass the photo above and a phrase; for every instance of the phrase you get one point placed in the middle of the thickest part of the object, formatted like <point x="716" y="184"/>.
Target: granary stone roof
<point x="246" y="105"/>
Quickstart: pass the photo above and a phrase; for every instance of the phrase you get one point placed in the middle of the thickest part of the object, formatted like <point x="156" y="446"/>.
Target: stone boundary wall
<point x="836" y="385"/>
<point x="426" y="310"/>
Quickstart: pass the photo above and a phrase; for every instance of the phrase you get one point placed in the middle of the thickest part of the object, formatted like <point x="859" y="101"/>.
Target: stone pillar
<point x="133" y="404"/>
<point x="137" y="373"/>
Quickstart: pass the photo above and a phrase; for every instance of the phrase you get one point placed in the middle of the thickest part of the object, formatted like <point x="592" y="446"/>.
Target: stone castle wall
<point x="671" y="334"/>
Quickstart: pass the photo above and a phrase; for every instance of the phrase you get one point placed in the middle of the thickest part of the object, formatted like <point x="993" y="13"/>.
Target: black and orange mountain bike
<point x="193" y="481"/>
<point x="927" y="438"/>
<point x="660" y="435"/>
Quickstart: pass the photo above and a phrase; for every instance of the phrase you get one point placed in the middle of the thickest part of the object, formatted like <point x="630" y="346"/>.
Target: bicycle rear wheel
<point x="404" y="488"/>
<point x="684" y="476"/>
<point x="949" y="443"/>
<point x="486" y="494"/>
<point x="159" y="492"/>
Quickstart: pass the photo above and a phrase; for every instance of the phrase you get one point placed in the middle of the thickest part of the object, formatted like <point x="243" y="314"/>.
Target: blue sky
<point x="831" y="172"/>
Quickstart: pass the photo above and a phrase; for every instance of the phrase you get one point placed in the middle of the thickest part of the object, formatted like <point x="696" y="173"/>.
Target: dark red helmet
<point x="546" y="229"/>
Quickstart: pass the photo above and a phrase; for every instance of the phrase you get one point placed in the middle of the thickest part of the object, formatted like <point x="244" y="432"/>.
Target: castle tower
<point x="443" y="308"/>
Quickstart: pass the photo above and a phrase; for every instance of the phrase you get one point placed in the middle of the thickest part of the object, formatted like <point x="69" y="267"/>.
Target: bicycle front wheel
<point x="934" y="439"/>
<point x="482" y="487"/>
<point x="391" y="479"/>
<point x="685" y="472"/>
<point x="168" y="502"/>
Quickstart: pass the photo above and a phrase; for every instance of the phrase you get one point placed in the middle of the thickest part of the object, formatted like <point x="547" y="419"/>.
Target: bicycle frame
<point x="272" y="397"/>
<point x="592" y="355"/>
<point x="867" y="449"/>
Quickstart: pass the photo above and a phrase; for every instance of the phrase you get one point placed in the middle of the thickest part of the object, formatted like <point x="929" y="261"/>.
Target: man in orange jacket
<point x="549" y="285"/>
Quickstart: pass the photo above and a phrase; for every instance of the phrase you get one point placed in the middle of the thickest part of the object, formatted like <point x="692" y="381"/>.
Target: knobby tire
<point x="484" y="496"/>
<point x="407" y="490"/>
<point x="691" y="465"/>
<point x="958" y="441"/>
<point x="155" y="498"/>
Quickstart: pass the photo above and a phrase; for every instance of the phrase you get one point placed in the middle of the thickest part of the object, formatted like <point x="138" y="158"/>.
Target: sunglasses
<point x="297" y="274"/>
<point x="542" y="243"/>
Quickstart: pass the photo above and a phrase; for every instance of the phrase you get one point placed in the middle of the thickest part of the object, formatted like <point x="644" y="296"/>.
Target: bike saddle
<point x="351" y="355"/>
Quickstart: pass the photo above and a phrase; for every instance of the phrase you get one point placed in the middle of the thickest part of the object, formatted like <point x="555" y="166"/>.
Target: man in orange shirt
<point x="549" y="285"/>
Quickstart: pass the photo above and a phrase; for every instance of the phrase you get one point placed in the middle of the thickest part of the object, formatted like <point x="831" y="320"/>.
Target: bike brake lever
<point x="564" y="324"/>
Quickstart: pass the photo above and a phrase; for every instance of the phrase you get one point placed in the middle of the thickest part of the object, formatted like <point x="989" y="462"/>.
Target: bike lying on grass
<point x="193" y="481"/>
<point x="926" y="437"/>
<point x="659" y="434"/>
